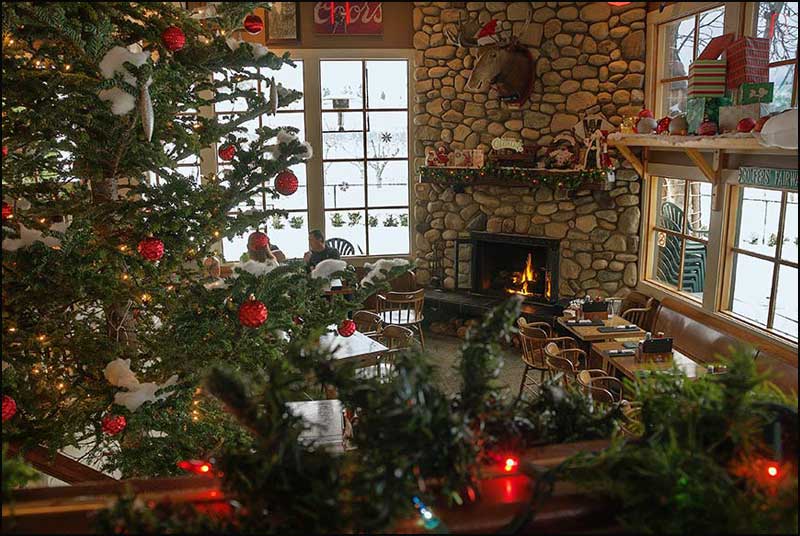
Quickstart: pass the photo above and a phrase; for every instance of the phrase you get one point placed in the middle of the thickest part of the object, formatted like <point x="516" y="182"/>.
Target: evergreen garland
<point x="512" y="176"/>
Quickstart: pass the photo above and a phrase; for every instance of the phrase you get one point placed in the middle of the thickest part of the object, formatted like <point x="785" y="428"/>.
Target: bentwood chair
<point x="396" y="339"/>
<point x="367" y="322"/>
<point x="403" y="309"/>
<point x="639" y="315"/>
<point x="601" y="387"/>
<point x="567" y="362"/>
<point x="533" y="337"/>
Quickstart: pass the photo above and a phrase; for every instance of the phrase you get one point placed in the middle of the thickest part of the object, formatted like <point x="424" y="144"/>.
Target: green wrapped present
<point x="700" y="108"/>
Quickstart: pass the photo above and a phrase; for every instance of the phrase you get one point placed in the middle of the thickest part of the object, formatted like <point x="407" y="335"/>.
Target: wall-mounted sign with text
<point x="348" y="18"/>
<point x="785" y="179"/>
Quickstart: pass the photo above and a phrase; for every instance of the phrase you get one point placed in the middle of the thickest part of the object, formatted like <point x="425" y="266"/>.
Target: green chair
<point x="694" y="264"/>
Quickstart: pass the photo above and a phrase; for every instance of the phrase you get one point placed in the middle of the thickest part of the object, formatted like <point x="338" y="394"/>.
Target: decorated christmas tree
<point x="109" y="322"/>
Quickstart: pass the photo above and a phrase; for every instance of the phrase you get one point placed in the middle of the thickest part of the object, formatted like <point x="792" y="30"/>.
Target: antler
<point x="464" y="34"/>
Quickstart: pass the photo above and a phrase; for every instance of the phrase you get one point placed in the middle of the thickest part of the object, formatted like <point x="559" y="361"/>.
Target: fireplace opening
<point x="505" y="264"/>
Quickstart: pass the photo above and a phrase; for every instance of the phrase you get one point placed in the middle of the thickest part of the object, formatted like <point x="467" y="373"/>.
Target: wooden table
<point x="323" y="420"/>
<point x="357" y="347"/>
<point x="627" y="365"/>
<point x="588" y="334"/>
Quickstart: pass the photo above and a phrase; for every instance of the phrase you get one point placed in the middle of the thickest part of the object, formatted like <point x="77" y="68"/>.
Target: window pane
<point x="387" y="84"/>
<point x="341" y="85"/>
<point x="790" y="238"/>
<point x="192" y="172"/>
<point x="290" y="234"/>
<point x="673" y="100"/>
<point x="710" y="25"/>
<point x="387" y="183"/>
<point x="667" y="255"/>
<point x="348" y="225"/>
<point x="699" y="209"/>
<point x="751" y="284"/>
<point x="388" y="232"/>
<point x="784" y="40"/>
<point x="344" y="184"/>
<point x="680" y="48"/>
<point x="783" y="78"/>
<point x="786" y="302"/>
<point x="388" y="135"/>
<point x="342" y="135"/>
<point x="760" y="211"/>
<point x="290" y="78"/>
<point x="672" y="193"/>
<point x="297" y="200"/>
<point x="289" y="119"/>
<point x="694" y="269"/>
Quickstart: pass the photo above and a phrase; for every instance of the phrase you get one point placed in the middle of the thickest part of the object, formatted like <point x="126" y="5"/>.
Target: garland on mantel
<point x="554" y="178"/>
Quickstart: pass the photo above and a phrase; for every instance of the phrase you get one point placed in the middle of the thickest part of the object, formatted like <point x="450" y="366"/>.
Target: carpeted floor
<point x="443" y="352"/>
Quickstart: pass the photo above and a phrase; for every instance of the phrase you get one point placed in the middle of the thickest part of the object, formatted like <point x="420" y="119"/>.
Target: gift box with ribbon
<point x="748" y="61"/>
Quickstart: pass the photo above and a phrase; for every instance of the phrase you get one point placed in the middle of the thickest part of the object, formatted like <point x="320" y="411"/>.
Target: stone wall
<point x="588" y="56"/>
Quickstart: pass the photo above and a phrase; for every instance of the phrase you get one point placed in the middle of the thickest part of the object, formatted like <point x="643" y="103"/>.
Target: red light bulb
<point x="510" y="464"/>
<point x="772" y="470"/>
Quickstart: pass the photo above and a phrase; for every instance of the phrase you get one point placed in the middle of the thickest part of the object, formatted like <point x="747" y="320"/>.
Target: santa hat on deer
<point x="488" y="34"/>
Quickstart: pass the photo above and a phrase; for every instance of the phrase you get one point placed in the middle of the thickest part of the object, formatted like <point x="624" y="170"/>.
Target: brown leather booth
<point x="704" y="337"/>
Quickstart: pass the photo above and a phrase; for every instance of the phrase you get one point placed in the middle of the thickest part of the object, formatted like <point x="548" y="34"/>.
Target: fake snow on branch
<point x="119" y="374"/>
<point x="122" y="102"/>
<point x="379" y="270"/>
<point x="28" y="236"/>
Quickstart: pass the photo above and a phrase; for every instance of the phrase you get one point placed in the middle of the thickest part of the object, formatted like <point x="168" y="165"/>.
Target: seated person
<point x="318" y="250"/>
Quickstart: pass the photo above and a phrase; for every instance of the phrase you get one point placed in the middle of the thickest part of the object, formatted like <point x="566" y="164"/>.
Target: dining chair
<point x="601" y="387"/>
<point x="403" y="309"/>
<point x="367" y="322"/>
<point x="533" y="337"/>
<point x="396" y="339"/>
<point x="639" y="315"/>
<point x="631" y="423"/>
<point x="567" y="361"/>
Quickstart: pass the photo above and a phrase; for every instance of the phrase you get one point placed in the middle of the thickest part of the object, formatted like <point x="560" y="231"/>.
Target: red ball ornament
<point x="9" y="407"/>
<point x="252" y="313"/>
<point x="761" y="122"/>
<point x="286" y="182"/>
<point x="707" y="128"/>
<point x="173" y="38"/>
<point x="347" y="328"/>
<point x="5" y="151"/>
<point x="151" y="249"/>
<point x="258" y="241"/>
<point x="253" y="24"/>
<point x="113" y="424"/>
<point x="646" y="113"/>
<point x="8" y="211"/>
<point x="227" y="152"/>
<point x="746" y="125"/>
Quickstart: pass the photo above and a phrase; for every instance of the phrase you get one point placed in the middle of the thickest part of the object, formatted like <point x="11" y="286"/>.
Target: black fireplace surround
<point x="499" y="264"/>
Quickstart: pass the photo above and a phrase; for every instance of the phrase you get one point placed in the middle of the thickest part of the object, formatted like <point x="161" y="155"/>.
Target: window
<point x="289" y="233"/>
<point x="365" y="154"/>
<point x="680" y="235"/>
<point x="683" y="41"/>
<point x="778" y="21"/>
<point x="763" y="281"/>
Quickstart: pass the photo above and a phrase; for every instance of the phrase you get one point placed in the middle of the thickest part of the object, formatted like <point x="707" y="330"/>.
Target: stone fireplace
<point x="505" y="264"/>
<point x="589" y="57"/>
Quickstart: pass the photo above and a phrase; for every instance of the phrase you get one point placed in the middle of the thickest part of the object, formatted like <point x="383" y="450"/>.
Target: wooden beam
<point x="701" y="163"/>
<point x="59" y="466"/>
<point x="630" y="157"/>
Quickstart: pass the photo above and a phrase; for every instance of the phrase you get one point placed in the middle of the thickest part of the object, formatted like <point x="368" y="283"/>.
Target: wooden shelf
<point x="499" y="176"/>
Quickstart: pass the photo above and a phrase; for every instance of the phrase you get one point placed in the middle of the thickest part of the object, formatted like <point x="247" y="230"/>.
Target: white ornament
<point x="29" y="236"/>
<point x="379" y="270"/>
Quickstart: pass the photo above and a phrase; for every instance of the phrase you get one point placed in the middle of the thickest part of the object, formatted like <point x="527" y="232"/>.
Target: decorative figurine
<point x="628" y="125"/>
<point x="679" y="126"/>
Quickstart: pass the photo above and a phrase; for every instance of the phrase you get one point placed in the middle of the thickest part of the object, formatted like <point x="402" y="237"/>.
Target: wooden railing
<point x="59" y="466"/>
<point x="504" y="498"/>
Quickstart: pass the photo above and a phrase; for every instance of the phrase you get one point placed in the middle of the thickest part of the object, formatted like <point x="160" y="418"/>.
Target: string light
<point x="123" y="247"/>
<point x="12" y="330"/>
<point x="124" y="277"/>
<point x="511" y="463"/>
<point x="145" y="297"/>
<point x="772" y="470"/>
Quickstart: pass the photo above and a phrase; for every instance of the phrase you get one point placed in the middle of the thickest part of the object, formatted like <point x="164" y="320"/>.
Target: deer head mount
<point x="502" y="63"/>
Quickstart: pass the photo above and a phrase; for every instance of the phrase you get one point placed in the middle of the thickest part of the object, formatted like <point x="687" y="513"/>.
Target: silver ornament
<point x="146" y="111"/>
<point x="273" y="98"/>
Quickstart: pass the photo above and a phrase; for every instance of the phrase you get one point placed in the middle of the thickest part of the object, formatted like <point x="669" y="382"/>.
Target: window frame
<point x="727" y="282"/>
<point x="751" y="28"/>
<point x="311" y="58"/>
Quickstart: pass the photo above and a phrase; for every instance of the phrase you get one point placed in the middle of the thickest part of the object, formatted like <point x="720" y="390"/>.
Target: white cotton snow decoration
<point x="218" y="283"/>
<point x="29" y="236"/>
<point x="258" y="268"/>
<point x="327" y="268"/>
<point x="119" y="374"/>
<point x="258" y="49"/>
<point x="781" y="130"/>
<point x="122" y="102"/>
<point x="286" y="137"/>
<point x="379" y="270"/>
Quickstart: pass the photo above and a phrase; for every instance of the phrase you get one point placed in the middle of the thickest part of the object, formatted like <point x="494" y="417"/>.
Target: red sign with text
<point x="348" y="18"/>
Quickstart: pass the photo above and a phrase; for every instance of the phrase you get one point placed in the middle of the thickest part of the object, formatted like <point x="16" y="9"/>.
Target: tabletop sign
<point x="348" y="18"/>
<point x="769" y="177"/>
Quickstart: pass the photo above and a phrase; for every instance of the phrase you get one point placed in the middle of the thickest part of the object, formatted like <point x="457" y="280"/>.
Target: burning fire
<point x="525" y="280"/>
